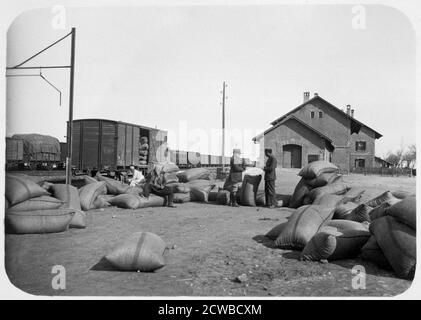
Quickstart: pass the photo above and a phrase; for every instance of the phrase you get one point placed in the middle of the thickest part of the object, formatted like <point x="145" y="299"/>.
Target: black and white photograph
<point x="211" y="150"/>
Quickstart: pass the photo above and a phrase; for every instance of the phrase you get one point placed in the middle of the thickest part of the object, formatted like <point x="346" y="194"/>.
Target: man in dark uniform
<point x="235" y="177"/>
<point x="270" y="178"/>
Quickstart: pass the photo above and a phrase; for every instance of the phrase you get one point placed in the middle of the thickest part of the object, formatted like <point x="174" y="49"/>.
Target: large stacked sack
<point x="248" y="192"/>
<point x="143" y="150"/>
<point x="193" y="174"/>
<point x="320" y="176"/>
<point x="302" y="225"/>
<point x="70" y="196"/>
<point x="32" y="209"/>
<point x="200" y="189"/>
<point x="142" y="251"/>
<point x="393" y="241"/>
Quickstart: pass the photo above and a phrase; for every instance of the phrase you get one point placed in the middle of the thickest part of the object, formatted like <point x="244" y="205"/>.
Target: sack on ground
<point x="89" y="193"/>
<point x="102" y="201"/>
<point x="302" y="225"/>
<point x="344" y="225"/>
<point x="200" y="193"/>
<point x="249" y="190"/>
<point x="126" y="201"/>
<point x="328" y="200"/>
<point x="378" y="211"/>
<point x="405" y="211"/>
<point x="223" y="197"/>
<point x="136" y="190"/>
<point x="19" y="188"/>
<point x="193" y="174"/>
<point x="372" y="252"/>
<point x="398" y="244"/>
<point x="316" y="168"/>
<point x="40" y="221"/>
<point x="401" y="194"/>
<point x="301" y="190"/>
<point x="342" y="210"/>
<point x="142" y="251"/>
<point x="38" y="203"/>
<point x="89" y="179"/>
<point x="382" y="198"/>
<point x="324" y="179"/>
<point x="170" y="167"/>
<point x="152" y="201"/>
<point x="360" y="213"/>
<point x="337" y="245"/>
<point x="113" y="186"/>
<point x="181" y="197"/>
<point x="338" y="188"/>
<point x="68" y="194"/>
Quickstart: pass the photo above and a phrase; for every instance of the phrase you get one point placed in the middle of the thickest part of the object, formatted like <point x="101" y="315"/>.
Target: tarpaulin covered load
<point x="142" y="251"/>
<point x="40" y="147"/>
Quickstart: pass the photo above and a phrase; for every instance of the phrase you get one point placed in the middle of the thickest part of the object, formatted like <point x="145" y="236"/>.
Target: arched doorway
<point x="291" y="156"/>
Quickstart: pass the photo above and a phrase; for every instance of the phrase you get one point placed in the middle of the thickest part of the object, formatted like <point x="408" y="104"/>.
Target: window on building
<point x="360" y="145"/>
<point x="313" y="157"/>
<point x="320" y="114"/>
<point x="360" y="163"/>
<point x="312" y="114"/>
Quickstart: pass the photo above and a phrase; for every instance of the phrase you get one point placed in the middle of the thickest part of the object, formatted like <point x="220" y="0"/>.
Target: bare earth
<point x="209" y="245"/>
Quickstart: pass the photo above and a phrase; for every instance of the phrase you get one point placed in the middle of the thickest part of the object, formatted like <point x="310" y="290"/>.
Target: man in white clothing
<point x="137" y="178"/>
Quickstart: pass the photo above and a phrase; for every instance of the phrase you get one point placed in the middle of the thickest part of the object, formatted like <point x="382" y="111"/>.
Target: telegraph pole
<point x="70" y="126"/>
<point x="223" y="125"/>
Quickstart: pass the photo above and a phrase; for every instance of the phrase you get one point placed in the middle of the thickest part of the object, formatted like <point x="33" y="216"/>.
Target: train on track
<point x="106" y="146"/>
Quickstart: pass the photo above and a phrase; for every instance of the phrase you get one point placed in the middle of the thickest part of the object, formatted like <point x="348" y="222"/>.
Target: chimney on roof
<point x="348" y="109"/>
<point x="316" y="94"/>
<point x="352" y="113"/>
<point x="306" y="96"/>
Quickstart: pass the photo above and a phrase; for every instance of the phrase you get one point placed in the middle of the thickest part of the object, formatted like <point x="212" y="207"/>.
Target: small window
<point x="360" y="163"/>
<point x="360" y="146"/>
<point x="320" y="114"/>
<point x="312" y="114"/>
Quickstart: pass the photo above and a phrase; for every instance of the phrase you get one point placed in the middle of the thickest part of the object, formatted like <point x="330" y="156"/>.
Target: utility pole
<point x="70" y="126"/>
<point x="223" y="125"/>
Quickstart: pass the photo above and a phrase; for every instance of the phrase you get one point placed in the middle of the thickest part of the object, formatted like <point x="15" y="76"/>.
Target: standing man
<point x="235" y="177"/>
<point x="270" y="178"/>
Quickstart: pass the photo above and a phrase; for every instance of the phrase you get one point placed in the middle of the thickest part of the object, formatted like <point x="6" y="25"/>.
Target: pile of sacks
<point x="192" y="185"/>
<point x="143" y="150"/>
<point x="45" y="208"/>
<point x="333" y="224"/>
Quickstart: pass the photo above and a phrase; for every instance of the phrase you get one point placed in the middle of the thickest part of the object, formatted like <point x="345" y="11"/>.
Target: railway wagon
<point x="112" y="146"/>
<point x="14" y="153"/>
<point x="204" y="160"/>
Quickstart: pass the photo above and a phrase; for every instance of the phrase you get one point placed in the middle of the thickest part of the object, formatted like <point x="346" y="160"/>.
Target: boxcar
<point x="106" y="145"/>
<point x="182" y="159"/>
<point x="14" y="153"/>
<point x="204" y="160"/>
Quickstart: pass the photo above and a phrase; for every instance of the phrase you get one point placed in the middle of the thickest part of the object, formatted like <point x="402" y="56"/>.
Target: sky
<point x="164" y="67"/>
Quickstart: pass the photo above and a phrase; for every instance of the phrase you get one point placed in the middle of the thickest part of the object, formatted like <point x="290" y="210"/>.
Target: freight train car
<point x="112" y="146"/>
<point x="14" y="154"/>
<point x="33" y="151"/>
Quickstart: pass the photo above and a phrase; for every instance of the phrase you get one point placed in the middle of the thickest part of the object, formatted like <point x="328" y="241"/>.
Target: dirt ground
<point x="209" y="246"/>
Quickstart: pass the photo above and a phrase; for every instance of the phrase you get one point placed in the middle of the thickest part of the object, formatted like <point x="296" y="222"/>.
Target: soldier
<point x="270" y="178"/>
<point x="235" y="177"/>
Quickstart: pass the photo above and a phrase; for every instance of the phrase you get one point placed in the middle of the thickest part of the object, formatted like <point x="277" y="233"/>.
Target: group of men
<point x="154" y="182"/>
<point x="235" y="178"/>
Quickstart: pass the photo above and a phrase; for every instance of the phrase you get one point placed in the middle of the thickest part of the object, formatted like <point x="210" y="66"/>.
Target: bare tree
<point x="410" y="156"/>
